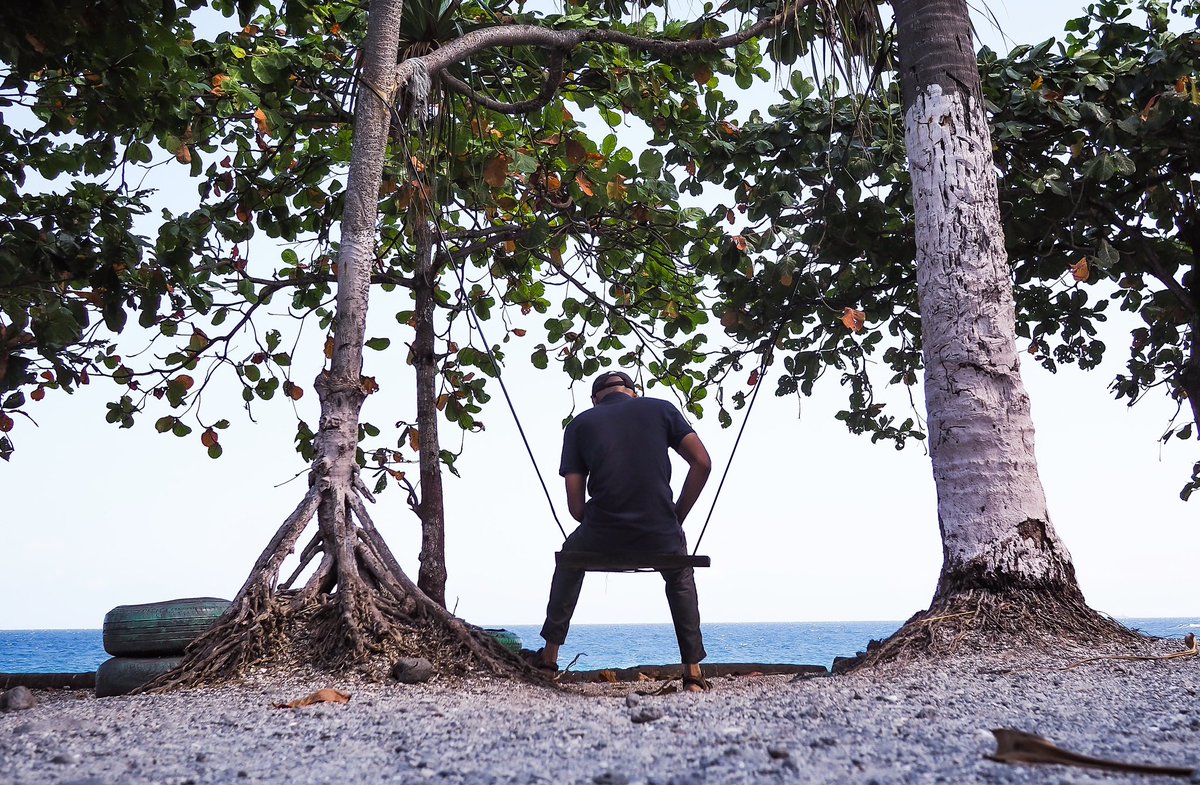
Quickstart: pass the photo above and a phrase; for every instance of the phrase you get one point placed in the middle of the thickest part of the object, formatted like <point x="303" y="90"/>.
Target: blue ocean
<point x="597" y="645"/>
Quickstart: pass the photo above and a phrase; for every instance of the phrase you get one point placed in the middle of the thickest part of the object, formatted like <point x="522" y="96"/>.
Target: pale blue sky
<point x="814" y="523"/>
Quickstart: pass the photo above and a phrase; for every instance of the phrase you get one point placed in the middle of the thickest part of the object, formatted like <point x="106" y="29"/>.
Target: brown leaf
<point x="329" y="348"/>
<point x="414" y="439"/>
<point x="785" y="278"/>
<point x="293" y="391"/>
<point x="1181" y="84"/>
<point x="184" y="154"/>
<point x="753" y="380"/>
<point x="218" y="84"/>
<point x="853" y="319"/>
<point x="495" y="171"/>
<point x="702" y="75"/>
<point x="209" y="437"/>
<point x="730" y="319"/>
<point x="584" y="184"/>
<point x="260" y="122"/>
<point x="184" y="381"/>
<point x="575" y="152"/>
<point x="1037" y="84"/>
<point x="739" y="242"/>
<point x="519" y="332"/>
<point x="608" y="676"/>
<point x="617" y="190"/>
<point x="38" y="394"/>
<point x="326" y="695"/>
<point x="1148" y="107"/>
<point x="729" y="129"/>
<point x="243" y="213"/>
<point x="6" y="423"/>
<point x="1080" y="271"/>
<point x="368" y="384"/>
<point x="551" y="140"/>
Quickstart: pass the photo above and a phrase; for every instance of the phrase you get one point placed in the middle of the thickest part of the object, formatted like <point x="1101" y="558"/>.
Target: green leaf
<point x="378" y="344"/>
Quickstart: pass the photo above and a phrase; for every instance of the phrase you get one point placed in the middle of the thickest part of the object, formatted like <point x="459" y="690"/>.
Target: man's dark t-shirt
<point x="621" y="444"/>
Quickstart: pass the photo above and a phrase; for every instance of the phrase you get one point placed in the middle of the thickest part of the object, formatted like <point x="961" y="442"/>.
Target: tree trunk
<point x="1001" y="553"/>
<point x="358" y="607"/>
<point x="431" y="578"/>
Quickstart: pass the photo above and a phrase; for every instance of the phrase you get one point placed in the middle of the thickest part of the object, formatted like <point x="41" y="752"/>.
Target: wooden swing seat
<point x="591" y="561"/>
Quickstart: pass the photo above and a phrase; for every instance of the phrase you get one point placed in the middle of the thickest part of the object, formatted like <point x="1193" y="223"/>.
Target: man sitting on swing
<point x="618" y="452"/>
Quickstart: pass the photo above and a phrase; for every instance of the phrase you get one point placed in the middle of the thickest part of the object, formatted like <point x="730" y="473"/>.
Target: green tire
<point x="159" y="629"/>
<point x="507" y="639"/>
<point x="122" y="675"/>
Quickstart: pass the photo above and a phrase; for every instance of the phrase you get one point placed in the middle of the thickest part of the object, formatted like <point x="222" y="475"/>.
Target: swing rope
<point x="473" y="322"/>
<point x="762" y="372"/>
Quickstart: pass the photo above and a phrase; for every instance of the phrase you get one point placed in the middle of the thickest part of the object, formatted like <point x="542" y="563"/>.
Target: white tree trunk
<point x="996" y="531"/>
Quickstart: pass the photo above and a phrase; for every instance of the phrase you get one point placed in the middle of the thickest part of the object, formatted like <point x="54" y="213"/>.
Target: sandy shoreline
<point x="896" y="724"/>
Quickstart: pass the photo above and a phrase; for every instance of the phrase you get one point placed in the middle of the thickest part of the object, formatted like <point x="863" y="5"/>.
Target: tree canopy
<point x="1094" y="141"/>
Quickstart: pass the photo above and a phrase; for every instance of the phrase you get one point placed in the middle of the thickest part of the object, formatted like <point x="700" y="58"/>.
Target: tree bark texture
<point x="431" y="578"/>
<point x="996" y="530"/>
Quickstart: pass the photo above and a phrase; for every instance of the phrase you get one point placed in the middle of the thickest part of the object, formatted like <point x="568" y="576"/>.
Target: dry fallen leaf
<point x="609" y="676"/>
<point x="326" y="695"/>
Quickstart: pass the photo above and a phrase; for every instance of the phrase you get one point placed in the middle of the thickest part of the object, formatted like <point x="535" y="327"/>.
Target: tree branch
<point x="554" y="77"/>
<point x="565" y="40"/>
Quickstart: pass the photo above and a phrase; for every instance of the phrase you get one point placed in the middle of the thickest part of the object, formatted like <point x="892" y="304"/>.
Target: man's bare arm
<point x="699" y="467"/>
<point x="576" y="484"/>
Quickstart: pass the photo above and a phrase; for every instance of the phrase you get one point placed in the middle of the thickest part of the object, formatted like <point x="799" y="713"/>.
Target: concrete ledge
<point x="48" y="681"/>
<point x="666" y="672"/>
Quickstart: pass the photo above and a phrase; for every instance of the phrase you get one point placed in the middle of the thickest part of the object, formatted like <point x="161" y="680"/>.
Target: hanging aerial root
<point x="982" y="620"/>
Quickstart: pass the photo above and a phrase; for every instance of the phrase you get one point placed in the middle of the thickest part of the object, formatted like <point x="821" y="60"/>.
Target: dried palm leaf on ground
<point x="1014" y="746"/>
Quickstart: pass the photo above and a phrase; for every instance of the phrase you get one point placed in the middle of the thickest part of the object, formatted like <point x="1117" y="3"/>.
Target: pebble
<point x="632" y="699"/>
<point x="66" y="758"/>
<point x="643" y="714"/>
<point x="412" y="670"/>
<point x="17" y="699"/>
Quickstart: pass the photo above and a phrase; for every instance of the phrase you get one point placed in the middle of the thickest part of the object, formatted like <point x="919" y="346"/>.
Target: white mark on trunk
<point x="991" y="505"/>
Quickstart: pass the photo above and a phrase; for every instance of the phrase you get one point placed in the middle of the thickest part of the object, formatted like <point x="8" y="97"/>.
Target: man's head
<point x="610" y="383"/>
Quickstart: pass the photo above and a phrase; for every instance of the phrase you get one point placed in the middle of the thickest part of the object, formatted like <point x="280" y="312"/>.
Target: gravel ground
<point x="897" y="724"/>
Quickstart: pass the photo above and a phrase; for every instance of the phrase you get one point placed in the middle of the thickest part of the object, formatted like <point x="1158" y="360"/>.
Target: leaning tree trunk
<point x="356" y="602"/>
<point x="431" y="578"/>
<point x="1003" y="562"/>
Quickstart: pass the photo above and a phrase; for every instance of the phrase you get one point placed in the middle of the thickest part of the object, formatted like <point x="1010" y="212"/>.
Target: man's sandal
<point x="534" y="658"/>
<point x="696" y="681"/>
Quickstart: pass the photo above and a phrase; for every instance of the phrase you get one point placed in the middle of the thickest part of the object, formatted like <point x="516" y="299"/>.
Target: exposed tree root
<point x="356" y="611"/>
<point x="1189" y="640"/>
<point x="987" y="619"/>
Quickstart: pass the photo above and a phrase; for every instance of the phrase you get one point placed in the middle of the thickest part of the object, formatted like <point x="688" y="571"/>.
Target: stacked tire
<point x="506" y="638"/>
<point x="148" y="640"/>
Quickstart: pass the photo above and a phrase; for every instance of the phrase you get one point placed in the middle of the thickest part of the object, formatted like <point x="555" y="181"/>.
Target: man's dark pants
<point x="680" y="584"/>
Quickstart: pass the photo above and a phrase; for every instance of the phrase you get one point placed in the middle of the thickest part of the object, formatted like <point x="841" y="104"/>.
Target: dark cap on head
<point x="611" y="379"/>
